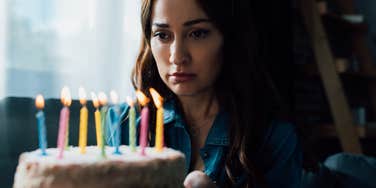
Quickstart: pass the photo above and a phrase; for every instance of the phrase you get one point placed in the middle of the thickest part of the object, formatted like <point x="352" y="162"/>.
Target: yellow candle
<point x="159" y="131"/>
<point x="83" y="129"/>
<point x="98" y="124"/>
<point x="159" y="120"/>
<point x="98" y="128"/>
<point x="83" y="121"/>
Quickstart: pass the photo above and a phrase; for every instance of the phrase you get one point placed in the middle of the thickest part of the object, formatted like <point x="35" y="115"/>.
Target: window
<point x="53" y="43"/>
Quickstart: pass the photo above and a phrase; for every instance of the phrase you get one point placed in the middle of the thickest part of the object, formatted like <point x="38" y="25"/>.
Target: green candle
<point x="103" y="101"/>
<point x="132" y="125"/>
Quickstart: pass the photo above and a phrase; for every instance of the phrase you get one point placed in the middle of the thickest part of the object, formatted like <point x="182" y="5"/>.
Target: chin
<point x="187" y="92"/>
<point x="183" y="91"/>
<point x="188" y="89"/>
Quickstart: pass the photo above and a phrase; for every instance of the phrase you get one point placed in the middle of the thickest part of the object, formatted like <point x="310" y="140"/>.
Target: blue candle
<point x="39" y="103"/>
<point x="115" y="123"/>
<point x="115" y="129"/>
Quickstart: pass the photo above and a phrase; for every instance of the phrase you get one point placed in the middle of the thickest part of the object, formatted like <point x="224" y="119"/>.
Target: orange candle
<point x="158" y="102"/>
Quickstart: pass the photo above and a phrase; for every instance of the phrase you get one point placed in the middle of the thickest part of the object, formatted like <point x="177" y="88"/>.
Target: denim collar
<point x="218" y="134"/>
<point x="169" y="114"/>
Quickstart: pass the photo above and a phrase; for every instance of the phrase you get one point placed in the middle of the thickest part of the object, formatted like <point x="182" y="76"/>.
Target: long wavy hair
<point x="243" y="87"/>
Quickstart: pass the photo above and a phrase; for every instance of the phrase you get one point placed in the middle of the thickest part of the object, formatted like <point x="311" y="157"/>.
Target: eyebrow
<point x="188" y="23"/>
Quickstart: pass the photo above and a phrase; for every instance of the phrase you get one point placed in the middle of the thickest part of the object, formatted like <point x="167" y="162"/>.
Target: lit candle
<point x="115" y="122"/>
<point x="63" y="123"/>
<point x="132" y="124"/>
<point x="83" y="121"/>
<point x="158" y="100"/>
<point x="69" y="98"/>
<point x="98" y="127"/>
<point x="103" y="102"/>
<point x="39" y="103"/>
<point x="100" y="119"/>
<point x="143" y="100"/>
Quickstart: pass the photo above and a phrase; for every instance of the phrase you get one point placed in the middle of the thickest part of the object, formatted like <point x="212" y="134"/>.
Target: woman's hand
<point x="198" y="179"/>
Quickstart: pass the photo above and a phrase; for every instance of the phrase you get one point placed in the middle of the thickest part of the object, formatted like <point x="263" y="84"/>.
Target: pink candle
<point x="144" y="129"/>
<point x="143" y="100"/>
<point x="64" y="120"/>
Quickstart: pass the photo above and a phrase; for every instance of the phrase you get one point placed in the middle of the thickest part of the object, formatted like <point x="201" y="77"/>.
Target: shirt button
<point x="206" y="155"/>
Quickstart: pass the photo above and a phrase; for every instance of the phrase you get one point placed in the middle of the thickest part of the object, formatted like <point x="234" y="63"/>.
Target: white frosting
<point x="91" y="170"/>
<point x="93" y="155"/>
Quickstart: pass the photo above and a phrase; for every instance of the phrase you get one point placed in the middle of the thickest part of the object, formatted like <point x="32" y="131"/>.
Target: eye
<point x="199" y="34"/>
<point x="163" y="36"/>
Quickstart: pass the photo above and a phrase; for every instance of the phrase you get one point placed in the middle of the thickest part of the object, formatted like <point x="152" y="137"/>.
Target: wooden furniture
<point x="340" y="109"/>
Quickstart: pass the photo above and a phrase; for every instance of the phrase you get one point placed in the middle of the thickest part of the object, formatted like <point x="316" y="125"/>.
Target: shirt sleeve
<point x="282" y="156"/>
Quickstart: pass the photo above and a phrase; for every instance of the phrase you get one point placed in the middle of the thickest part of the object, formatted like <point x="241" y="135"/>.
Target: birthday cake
<point x="130" y="169"/>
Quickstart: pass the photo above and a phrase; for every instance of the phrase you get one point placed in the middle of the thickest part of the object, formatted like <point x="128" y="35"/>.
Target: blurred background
<point x="48" y="44"/>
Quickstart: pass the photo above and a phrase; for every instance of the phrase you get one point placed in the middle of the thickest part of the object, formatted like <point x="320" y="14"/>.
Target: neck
<point x="200" y="106"/>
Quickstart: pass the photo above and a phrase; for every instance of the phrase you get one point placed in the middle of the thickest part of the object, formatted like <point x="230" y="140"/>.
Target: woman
<point x="199" y="54"/>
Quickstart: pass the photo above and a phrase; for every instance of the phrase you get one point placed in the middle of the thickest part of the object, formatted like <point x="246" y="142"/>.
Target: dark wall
<point x="273" y="22"/>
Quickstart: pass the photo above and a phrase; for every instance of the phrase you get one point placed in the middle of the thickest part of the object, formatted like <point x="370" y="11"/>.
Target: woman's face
<point x="186" y="46"/>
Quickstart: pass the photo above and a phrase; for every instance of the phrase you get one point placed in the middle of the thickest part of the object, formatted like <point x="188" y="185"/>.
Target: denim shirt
<point x="279" y="156"/>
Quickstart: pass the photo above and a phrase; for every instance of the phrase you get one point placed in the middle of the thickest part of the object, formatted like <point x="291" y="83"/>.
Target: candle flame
<point x="156" y="97"/>
<point x="102" y="98"/>
<point x="39" y="101"/>
<point x="82" y="95"/>
<point x="95" y="100"/>
<point x="141" y="97"/>
<point x="114" y="97"/>
<point x="130" y="101"/>
<point x="66" y="98"/>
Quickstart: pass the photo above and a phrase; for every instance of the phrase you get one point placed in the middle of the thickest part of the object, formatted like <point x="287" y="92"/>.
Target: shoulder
<point x="280" y="155"/>
<point x="279" y="141"/>
<point x="280" y="133"/>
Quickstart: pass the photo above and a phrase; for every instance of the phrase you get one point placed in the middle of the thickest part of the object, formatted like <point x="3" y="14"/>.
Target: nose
<point x="178" y="53"/>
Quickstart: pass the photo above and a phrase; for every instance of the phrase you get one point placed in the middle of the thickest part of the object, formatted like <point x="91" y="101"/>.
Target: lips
<point x="181" y="77"/>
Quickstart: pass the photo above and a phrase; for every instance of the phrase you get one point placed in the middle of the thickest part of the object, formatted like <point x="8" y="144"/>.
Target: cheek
<point x="210" y="51"/>
<point x="210" y="61"/>
<point x="210" y="57"/>
<point x="159" y="54"/>
<point x="156" y="50"/>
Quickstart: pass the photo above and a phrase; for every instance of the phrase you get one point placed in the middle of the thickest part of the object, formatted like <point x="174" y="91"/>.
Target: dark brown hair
<point x="242" y="88"/>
